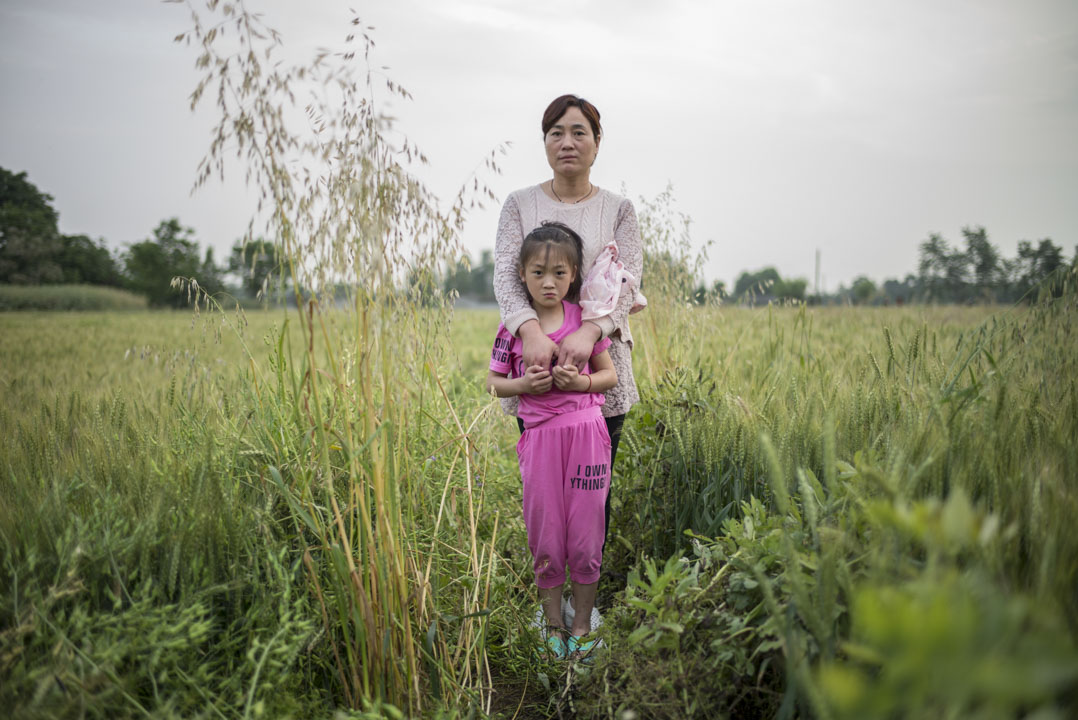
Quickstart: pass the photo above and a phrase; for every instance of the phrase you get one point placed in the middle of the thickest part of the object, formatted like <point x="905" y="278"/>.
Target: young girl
<point x="564" y="451"/>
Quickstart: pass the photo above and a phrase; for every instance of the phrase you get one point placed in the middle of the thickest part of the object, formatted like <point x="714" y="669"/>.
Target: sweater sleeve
<point x="630" y="253"/>
<point x="508" y="290"/>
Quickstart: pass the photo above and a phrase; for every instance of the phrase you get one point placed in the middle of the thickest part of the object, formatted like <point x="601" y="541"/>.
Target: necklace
<point x="585" y="196"/>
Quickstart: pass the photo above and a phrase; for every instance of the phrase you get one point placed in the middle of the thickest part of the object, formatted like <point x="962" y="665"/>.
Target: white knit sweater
<point x="601" y="218"/>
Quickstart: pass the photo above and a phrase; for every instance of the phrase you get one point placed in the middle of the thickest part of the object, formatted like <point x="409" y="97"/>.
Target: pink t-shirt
<point x="506" y="358"/>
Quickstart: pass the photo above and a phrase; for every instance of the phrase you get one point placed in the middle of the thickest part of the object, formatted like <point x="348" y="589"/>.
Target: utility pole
<point x="817" y="276"/>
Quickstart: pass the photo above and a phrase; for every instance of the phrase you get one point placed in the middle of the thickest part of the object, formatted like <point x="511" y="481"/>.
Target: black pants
<point x="613" y="426"/>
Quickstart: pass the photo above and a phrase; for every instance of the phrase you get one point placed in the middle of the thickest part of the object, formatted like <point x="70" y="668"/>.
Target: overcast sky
<point x="785" y="126"/>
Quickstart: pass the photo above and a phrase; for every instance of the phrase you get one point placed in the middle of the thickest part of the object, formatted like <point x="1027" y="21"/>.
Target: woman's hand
<point x="576" y="349"/>
<point x="536" y="380"/>
<point x="538" y="349"/>
<point x="565" y="377"/>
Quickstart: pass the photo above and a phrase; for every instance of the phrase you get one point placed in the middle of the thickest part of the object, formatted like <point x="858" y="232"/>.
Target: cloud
<point x="486" y="15"/>
<point x="784" y="125"/>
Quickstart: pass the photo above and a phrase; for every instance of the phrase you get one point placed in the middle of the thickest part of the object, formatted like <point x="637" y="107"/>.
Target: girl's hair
<point x="561" y="238"/>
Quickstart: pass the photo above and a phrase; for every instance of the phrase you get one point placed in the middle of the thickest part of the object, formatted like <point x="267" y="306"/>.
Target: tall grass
<point x="989" y="409"/>
<point x="137" y="484"/>
<point x="865" y="501"/>
<point x="345" y="425"/>
<point x="135" y="553"/>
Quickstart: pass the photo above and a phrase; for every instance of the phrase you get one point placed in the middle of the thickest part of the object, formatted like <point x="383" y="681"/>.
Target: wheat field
<point x="859" y="498"/>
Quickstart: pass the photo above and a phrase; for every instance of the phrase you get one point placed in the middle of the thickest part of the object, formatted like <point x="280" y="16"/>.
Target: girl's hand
<point x="538" y="349"/>
<point x="576" y="349"/>
<point x="536" y="380"/>
<point x="566" y="377"/>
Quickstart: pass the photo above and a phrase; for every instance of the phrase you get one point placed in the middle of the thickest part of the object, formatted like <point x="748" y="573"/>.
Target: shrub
<point x="68" y="297"/>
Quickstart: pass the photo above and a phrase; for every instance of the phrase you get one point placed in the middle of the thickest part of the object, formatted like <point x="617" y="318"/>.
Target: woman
<point x="572" y="134"/>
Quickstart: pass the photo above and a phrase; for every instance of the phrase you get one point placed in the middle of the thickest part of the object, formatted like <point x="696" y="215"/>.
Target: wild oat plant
<point x="348" y="423"/>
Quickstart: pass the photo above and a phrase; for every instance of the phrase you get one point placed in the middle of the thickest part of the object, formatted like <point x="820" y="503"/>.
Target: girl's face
<point x="548" y="275"/>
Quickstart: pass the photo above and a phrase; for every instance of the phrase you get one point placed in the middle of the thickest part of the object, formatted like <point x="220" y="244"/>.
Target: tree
<point x="791" y="289"/>
<point x="902" y="292"/>
<point x="82" y="260"/>
<point x="470" y="280"/>
<point x="863" y="290"/>
<point x="756" y="283"/>
<point x="956" y="276"/>
<point x="29" y="238"/>
<point x="152" y="263"/>
<point x="1032" y="265"/>
<point x="710" y="296"/>
<point x="482" y="277"/>
<point x="767" y="284"/>
<point x="209" y="274"/>
<point x="718" y="291"/>
<point x="258" y="263"/>
<point x="32" y="250"/>
<point x="932" y="266"/>
<point x="458" y="278"/>
<point x="984" y="260"/>
<point x="944" y="273"/>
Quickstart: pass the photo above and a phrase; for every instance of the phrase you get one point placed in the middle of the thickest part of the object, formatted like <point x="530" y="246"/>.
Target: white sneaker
<point x="540" y="622"/>
<point x="568" y="613"/>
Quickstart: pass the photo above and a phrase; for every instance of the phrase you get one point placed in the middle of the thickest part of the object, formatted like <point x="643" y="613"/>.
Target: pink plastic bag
<point x="603" y="285"/>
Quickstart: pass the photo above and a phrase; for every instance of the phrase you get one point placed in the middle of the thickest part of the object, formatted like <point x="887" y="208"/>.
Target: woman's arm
<point x="575" y="349"/>
<point x="508" y="290"/>
<point x="517" y="314"/>
<point x="631" y="255"/>
<point x="603" y="375"/>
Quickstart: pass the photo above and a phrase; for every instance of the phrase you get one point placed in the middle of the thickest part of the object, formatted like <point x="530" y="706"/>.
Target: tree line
<point x="975" y="273"/>
<point x="33" y="251"/>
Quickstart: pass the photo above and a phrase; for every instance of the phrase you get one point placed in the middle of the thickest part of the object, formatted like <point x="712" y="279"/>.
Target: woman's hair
<point x="562" y="239"/>
<point x="560" y="105"/>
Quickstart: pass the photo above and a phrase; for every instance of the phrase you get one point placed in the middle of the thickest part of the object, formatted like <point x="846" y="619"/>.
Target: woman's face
<point x="571" y="146"/>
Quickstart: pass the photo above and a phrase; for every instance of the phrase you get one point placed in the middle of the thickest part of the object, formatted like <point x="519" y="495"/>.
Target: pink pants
<point x="565" y="466"/>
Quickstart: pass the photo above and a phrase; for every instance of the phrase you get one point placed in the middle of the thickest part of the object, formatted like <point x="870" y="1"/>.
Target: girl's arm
<point x="603" y="375"/>
<point x="536" y="381"/>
